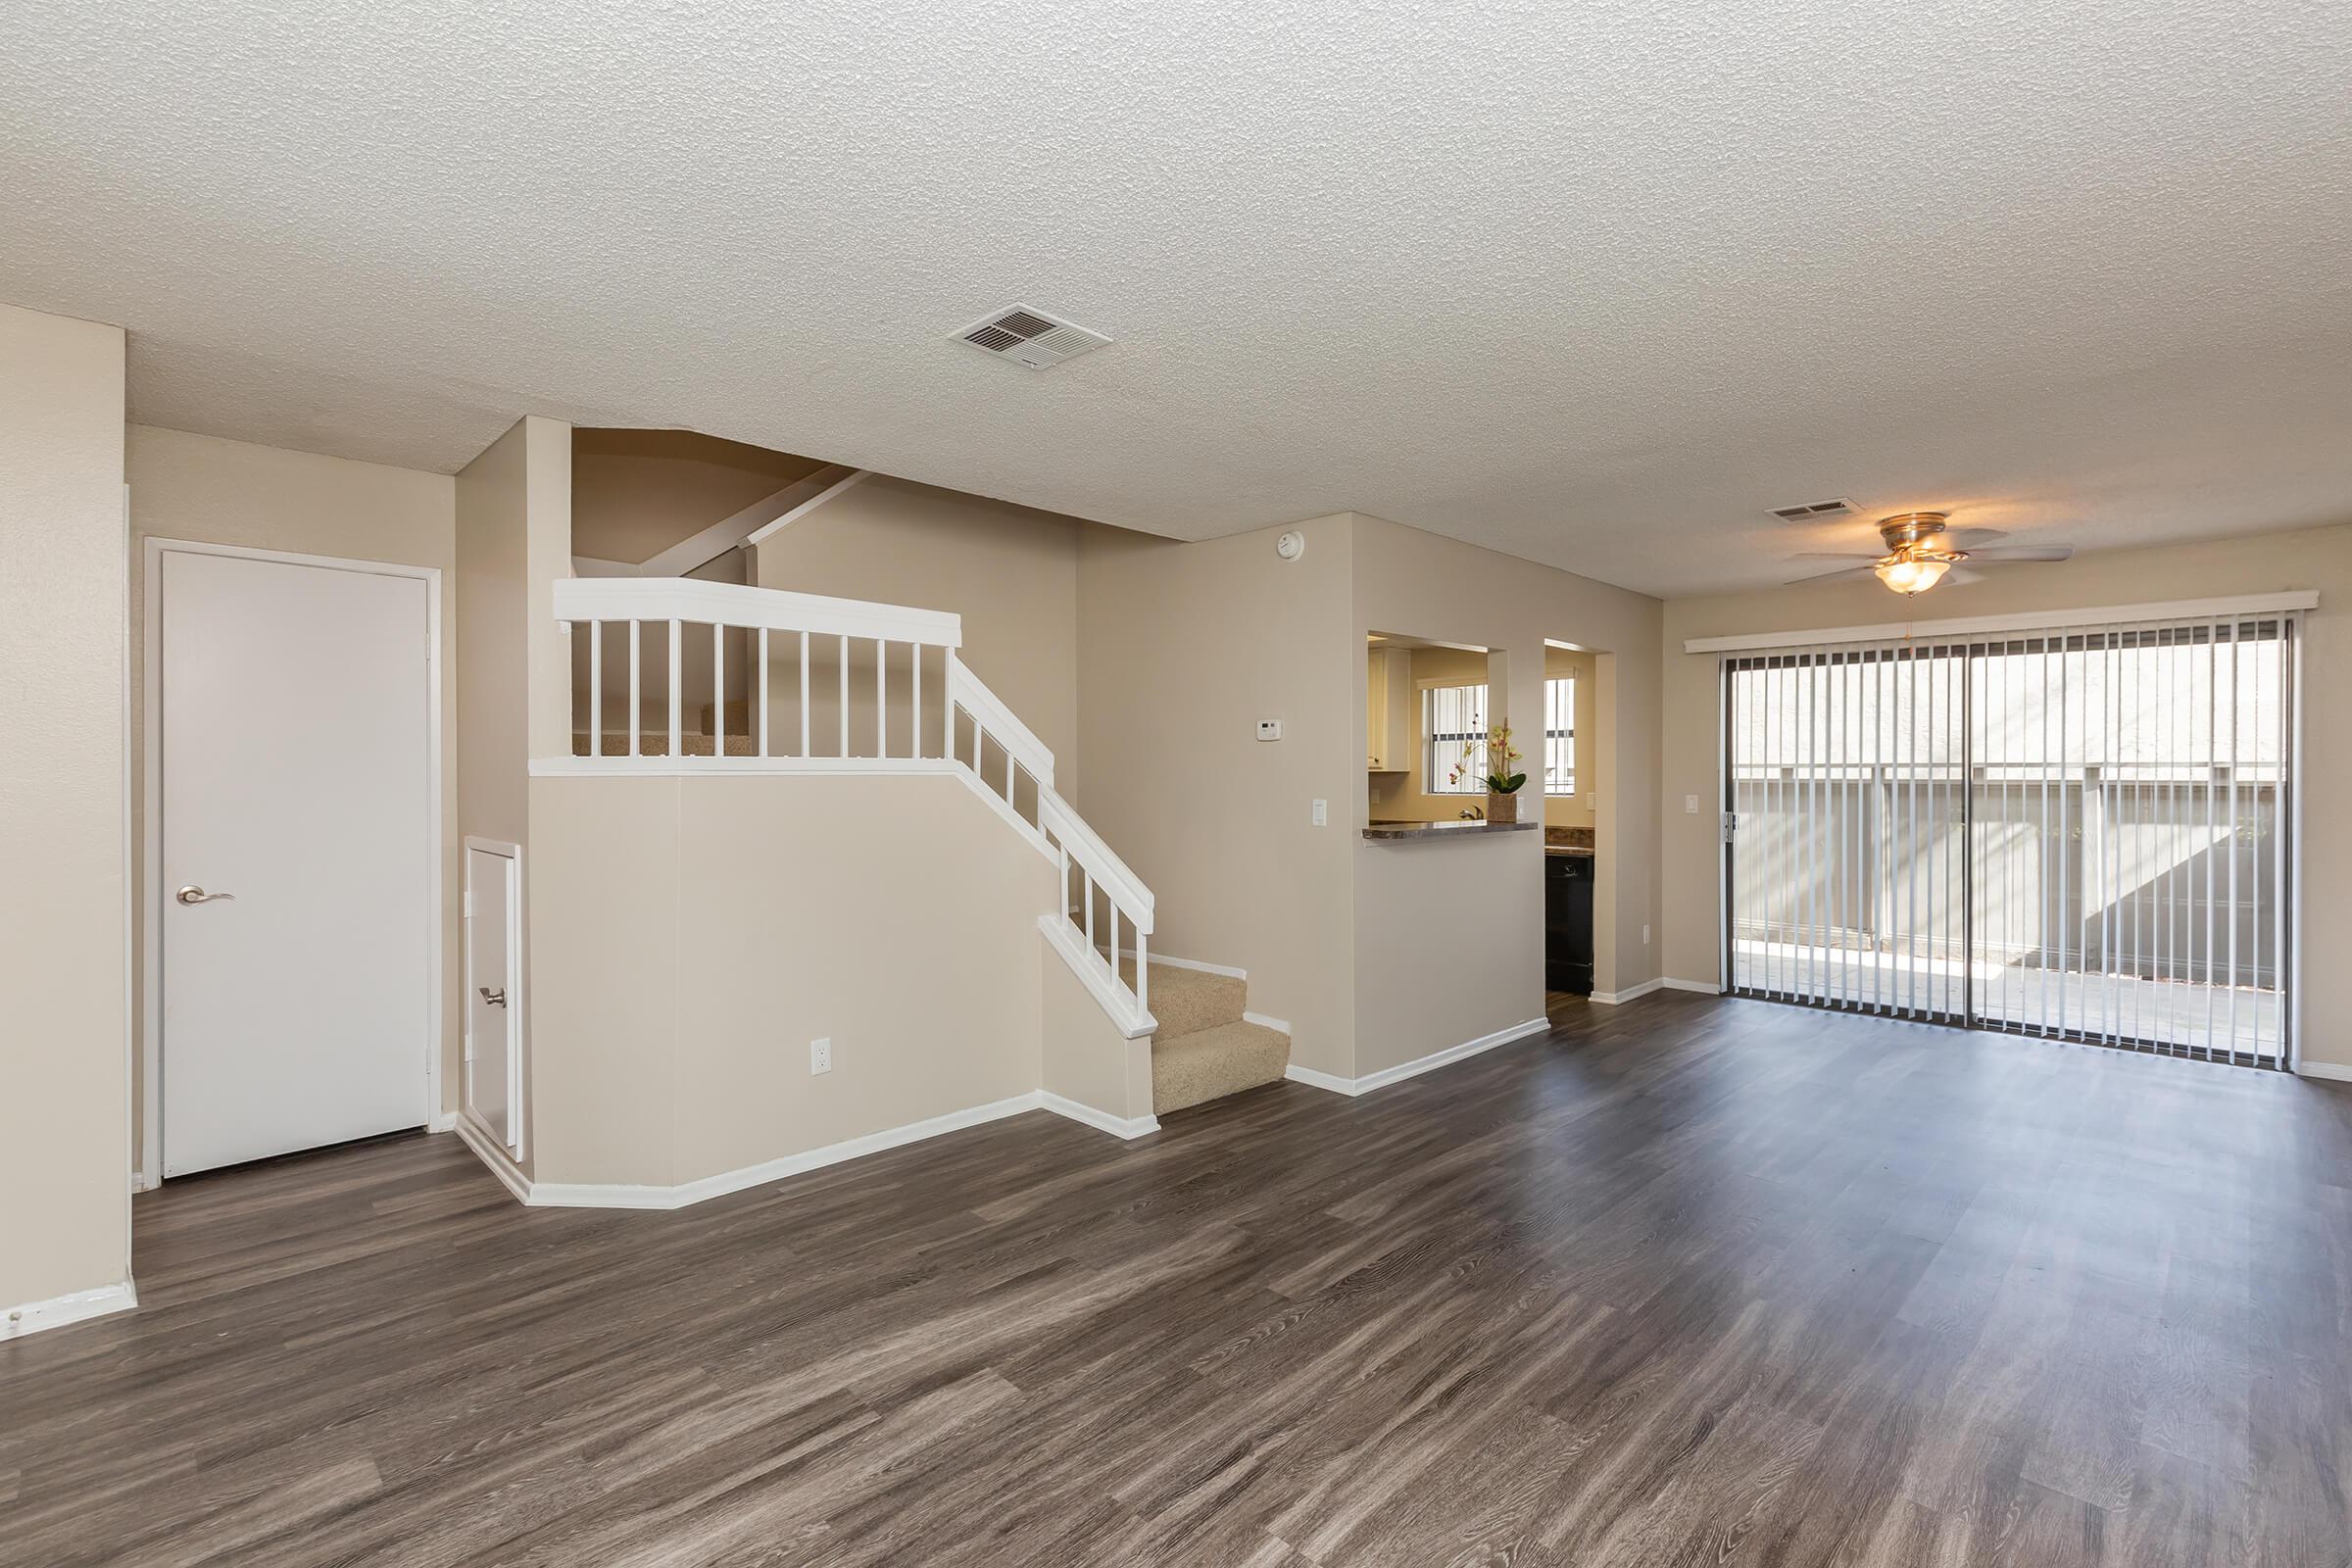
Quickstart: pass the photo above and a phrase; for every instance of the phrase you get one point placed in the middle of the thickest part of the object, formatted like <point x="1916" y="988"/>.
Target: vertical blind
<point x="1559" y="735"/>
<point x="2079" y="833"/>
<point x="1453" y="718"/>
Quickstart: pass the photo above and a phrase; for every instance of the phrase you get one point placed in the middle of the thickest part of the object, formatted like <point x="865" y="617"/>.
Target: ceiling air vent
<point x="1814" y="511"/>
<point x="1031" y="337"/>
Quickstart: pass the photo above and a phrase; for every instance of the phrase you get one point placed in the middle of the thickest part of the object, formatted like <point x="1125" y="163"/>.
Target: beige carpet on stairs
<point x="1204" y="1049"/>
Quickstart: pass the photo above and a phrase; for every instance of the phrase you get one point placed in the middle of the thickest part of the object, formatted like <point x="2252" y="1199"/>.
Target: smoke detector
<point x="1815" y="511"/>
<point x="1030" y="337"/>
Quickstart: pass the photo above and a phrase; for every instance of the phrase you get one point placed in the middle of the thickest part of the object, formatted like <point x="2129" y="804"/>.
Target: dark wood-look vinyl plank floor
<point x="1687" y="1281"/>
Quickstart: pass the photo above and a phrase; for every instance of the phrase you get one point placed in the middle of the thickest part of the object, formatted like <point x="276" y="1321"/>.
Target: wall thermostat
<point x="1291" y="546"/>
<point x="1270" y="729"/>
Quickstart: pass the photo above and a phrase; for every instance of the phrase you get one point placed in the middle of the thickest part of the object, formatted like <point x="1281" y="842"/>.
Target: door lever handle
<point x="496" y="999"/>
<point x="192" y="894"/>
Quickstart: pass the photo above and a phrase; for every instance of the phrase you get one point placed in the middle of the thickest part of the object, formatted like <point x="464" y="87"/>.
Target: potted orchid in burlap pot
<point x="1502" y="785"/>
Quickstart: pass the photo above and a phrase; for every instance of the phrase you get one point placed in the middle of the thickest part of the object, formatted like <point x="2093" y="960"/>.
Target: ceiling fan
<point x="1921" y="553"/>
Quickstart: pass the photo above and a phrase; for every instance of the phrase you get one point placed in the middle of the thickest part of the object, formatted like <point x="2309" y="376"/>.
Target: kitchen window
<point x="1453" y="718"/>
<point x="1560" y="736"/>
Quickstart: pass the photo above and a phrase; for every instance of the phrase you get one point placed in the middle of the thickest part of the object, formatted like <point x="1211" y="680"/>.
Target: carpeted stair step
<point x="1211" y="1064"/>
<point x="1189" y="1000"/>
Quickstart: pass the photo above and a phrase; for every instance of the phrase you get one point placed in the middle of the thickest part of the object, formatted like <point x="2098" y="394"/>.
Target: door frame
<point x="150" y="1173"/>
<point x="512" y="854"/>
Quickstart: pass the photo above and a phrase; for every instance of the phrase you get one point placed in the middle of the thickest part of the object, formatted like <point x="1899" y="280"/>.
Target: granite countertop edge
<point x="1406" y="832"/>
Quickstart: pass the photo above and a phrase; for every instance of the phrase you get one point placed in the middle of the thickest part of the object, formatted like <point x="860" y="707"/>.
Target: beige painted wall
<point x="638" y="491"/>
<point x="513" y="539"/>
<point x="1451" y="935"/>
<point x="1012" y="573"/>
<point x="897" y="916"/>
<point x="212" y="491"/>
<point x="64" y="1223"/>
<point x="2320" y="558"/>
<point x="1219" y="823"/>
<point x="1085" y="1058"/>
<point x="1182" y="649"/>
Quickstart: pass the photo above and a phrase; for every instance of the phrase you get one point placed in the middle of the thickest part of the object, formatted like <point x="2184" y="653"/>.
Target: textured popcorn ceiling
<point x="1591" y="283"/>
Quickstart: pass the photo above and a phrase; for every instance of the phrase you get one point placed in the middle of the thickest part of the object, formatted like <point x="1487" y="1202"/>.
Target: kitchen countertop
<point x="1568" y="850"/>
<point x="1406" y="832"/>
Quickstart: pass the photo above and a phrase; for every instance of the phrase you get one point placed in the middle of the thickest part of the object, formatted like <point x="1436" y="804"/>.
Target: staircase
<point x="1204" y="1048"/>
<point x="800" y="683"/>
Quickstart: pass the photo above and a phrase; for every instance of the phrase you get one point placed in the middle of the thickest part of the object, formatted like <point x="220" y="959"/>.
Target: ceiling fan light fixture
<point x="1908" y="573"/>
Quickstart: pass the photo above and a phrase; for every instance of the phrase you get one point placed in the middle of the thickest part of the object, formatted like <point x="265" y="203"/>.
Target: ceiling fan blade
<point x="1970" y="538"/>
<point x="1832" y="576"/>
<point x="1836" y="555"/>
<point x="2023" y="553"/>
<point x="1961" y="574"/>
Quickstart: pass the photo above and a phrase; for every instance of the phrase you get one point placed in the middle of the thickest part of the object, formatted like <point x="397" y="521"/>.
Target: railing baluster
<point x="845" y="696"/>
<point x="636" y="712"/>
<point x="1089" y="877"/>
<point x="914" y="730"/>
<point x="596" y="688"/>
<point x="803" y="696"/>
<point x="1114" y="941"/>
<point x="718" y="690"/>
<point x="677" y="686"/>
<point x="763" y="691"/>
<point x="881" y="696"/>
<point x="1142" y="973"/>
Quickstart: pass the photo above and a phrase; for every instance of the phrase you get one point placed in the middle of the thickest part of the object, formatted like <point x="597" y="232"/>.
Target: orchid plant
<point x="1500" y="754"/>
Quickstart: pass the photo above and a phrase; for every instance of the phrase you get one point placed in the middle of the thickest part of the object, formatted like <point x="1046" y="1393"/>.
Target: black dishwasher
<point x="1568" y="923"/>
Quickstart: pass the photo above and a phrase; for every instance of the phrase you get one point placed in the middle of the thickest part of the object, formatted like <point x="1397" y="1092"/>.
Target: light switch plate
<point x="1690" y="804"/>
<point x="1322" y="813"/>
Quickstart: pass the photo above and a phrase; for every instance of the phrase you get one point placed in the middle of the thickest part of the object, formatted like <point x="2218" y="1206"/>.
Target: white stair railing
<point x="828" y="651"/>
<point x="1108" y="897"/>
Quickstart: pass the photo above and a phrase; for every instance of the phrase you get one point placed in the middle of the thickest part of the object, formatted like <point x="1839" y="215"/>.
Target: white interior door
<point x="493" y="1001"/>
<point x="297" y="856"/>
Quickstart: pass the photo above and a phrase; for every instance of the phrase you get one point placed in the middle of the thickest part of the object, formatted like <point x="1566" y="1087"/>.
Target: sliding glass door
<point x="2081" y="833"/>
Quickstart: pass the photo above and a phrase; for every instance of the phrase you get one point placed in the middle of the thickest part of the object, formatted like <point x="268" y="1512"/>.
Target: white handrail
<point x="612" y="599"/>
<point x="1087" y="847"/>
<point x="990" y="711"/>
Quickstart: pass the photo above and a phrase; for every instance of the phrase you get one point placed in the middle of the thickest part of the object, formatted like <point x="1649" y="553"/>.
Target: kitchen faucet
<point x="1474" y="813"/>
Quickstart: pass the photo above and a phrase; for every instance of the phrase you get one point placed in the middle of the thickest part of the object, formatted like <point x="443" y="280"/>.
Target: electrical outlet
<point x="1322" y="813"/>
<point x="820" y="1054"/>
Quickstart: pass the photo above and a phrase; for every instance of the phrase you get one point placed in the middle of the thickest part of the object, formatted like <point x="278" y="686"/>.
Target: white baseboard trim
<point x="75" y="1306"/>
<point x="1320" y="1080"/>
<point x="1451" y="1054"/>
<point x="485" y="1149"/>
<point x="1611" y="999"/>
<point x="1102" y="1120"/>
<point x="1418" y="1066"/>
<point x="595" y="1194"/>
<point x="1281" y="1026"/>
<point x="1704" y="988"/>
<point x="2323" y="1069"/>
<point x="1224" y="969"/>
